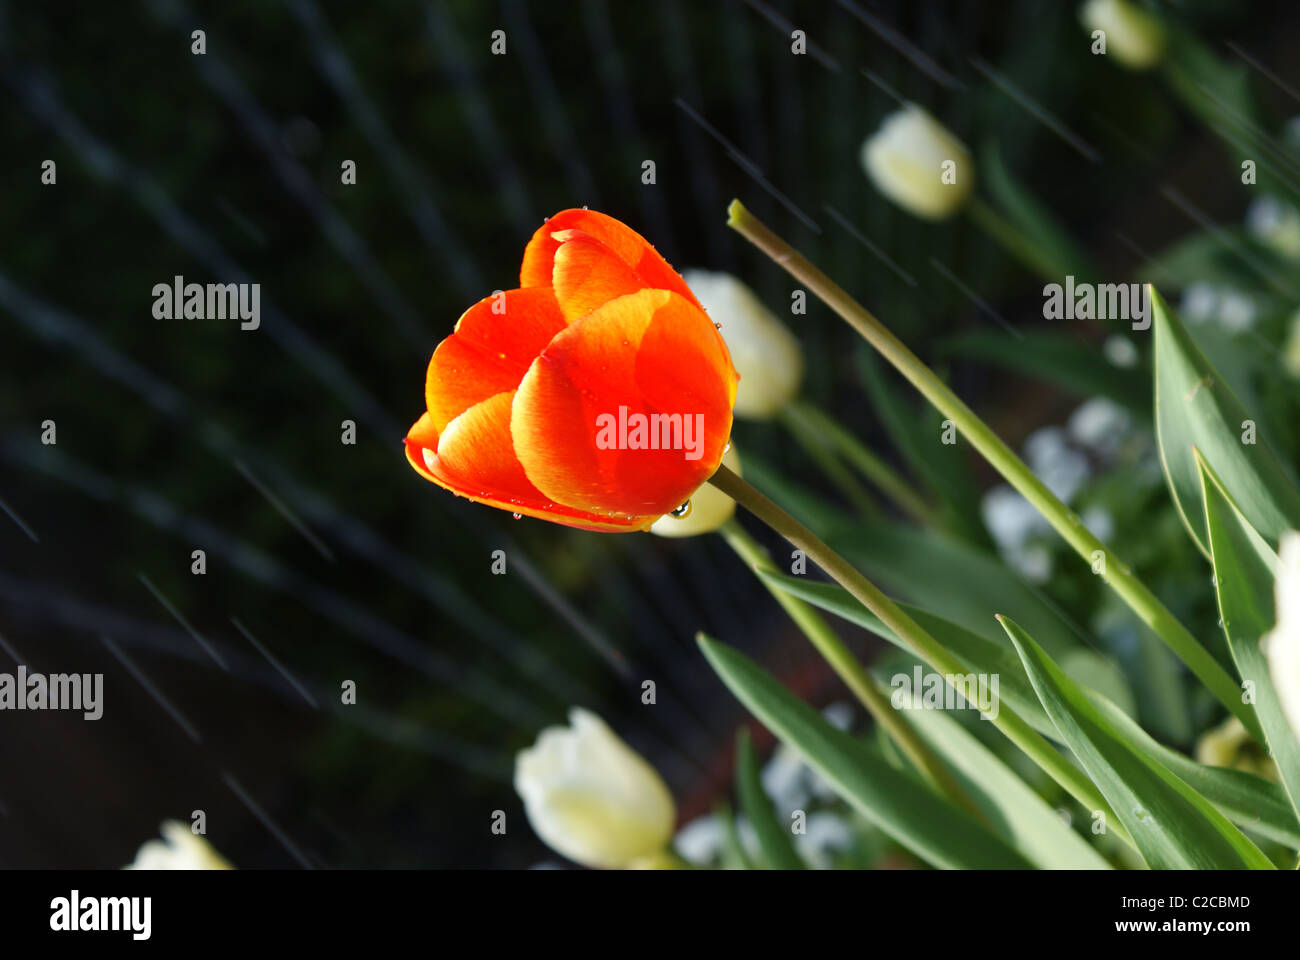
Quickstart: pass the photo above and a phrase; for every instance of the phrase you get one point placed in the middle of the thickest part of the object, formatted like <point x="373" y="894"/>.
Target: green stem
<point x="854" y="675"/>
<point x="872" y="467"/>
<point x="1117" y="574"/>
<point x="1070" y="777"/>
<point x="1011" y="239"/>
<point x="829" y="464"/>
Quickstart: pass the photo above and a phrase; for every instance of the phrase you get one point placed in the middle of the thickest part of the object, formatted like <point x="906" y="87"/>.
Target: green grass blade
<point x="1244" y="570"/>
<point x="895" y="801"/>
<point x="1172" y="825"/>
<point x="1016" y="812"/>
<point x="1195" y="409"/>
<point x="774" y="839"/>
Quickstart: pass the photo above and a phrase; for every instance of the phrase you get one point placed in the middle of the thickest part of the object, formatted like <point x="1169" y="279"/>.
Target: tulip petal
<point x="619" y="242"/>
<point x="587" y="275"/>
<point x="652" y="354"/>
<point x="474" y="458"/>
<point x="491" y="349"/>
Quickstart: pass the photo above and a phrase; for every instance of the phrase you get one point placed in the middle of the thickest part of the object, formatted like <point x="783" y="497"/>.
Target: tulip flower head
<point x="1282" y="645"/>
<point x="917" y="163"/>
<point x="597" y="395"/>
<point x="592" y="798"/>
<point x="180" y="849"/>
<point x="765" y="353"/>
<point x="1135" y="37"/>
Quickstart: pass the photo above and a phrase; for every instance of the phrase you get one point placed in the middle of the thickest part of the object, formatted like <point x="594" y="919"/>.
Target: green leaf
<point x="978" y="654"/>
<point x="774" y="839"/>
<point x="734" y="855"/>
<point x="941" y="466"/>
<point x="1172" y="825"/>
<point x="911" y="562"/>
<point x="1244" y="570"/>
<point x="1016" y="812"/>
<point x="1066" y="362"/>
<point x="894" y="800"/>
<point x="1195" y="408"/>
<point x="1247" y="800"/>
<point x="1050" y="241"/>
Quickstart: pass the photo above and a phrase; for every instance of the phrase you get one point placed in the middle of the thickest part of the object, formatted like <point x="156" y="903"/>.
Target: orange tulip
<point x="598" y="395"/>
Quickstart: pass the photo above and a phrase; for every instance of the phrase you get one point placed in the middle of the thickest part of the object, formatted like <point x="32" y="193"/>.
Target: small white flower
<point x="1282" y="645"/>
<point x="591" y="797"/>
<point x="827" y="834"/>
<point x="1099" y="523"/>
<point x="1057" y="464"/>
<point x="763" y="351"/>
<point x="702" y="840"/>
<point x="1276" y="224"/>
<point x="180" y="849"/>
<point x="709" y="509"/>
<point x="785" y="778"/>
<point x="1120" y="351"/>
<point x="1010" y="518"/>
<point x="1100" y="425"/>
<point x="917" y="163"/>
<point x="1236" y="311"/>
<point x="1200" y="302"/>
<point x="1135" y="37"/>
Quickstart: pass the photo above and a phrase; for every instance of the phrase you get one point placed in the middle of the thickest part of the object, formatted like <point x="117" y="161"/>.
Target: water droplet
<point x="684" y="511"/>
<point x="516" y="515"/>
<point x="727" y="448"/>
<point x="585" y="207"/>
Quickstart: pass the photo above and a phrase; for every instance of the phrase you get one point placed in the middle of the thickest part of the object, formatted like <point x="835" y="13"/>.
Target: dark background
<point x="225" y="167"/>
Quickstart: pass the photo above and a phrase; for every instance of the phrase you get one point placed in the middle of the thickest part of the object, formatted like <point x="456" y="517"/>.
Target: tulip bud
<point x="709" y="508"/>
<point x="1230" y="745"/>
<point x="1282" y="645"/>
<point x="1135" y="37"/>
<point x="916" y="162"/>
<point x="1291" y="349"/>
<point x="763" y="351"/>
<point x="592" y="798"/>
<point x="181" y="849"/>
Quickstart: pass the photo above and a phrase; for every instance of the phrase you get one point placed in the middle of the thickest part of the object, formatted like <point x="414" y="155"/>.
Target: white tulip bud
<point x="1291" y="349"/>
<point x="763" y="351"/>
<point x="916" y="162"/>
<point x="180" y="849"/>
<point x="1282" y="645"/>
<point x="1134" y="36"/>
<point x="709" y="508"/>
<point x="592" y="798"/>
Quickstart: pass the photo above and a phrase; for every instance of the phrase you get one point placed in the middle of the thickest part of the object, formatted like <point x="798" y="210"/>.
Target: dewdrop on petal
<point x="1282" y="645"/>
<point x="763" y="351"/>
<point x="709" y="508"/>
<point x="916" y="162"/>
<point x="1134" y="36"/>
<point x="180" y="849"/>
<point x="592" y="798"/>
